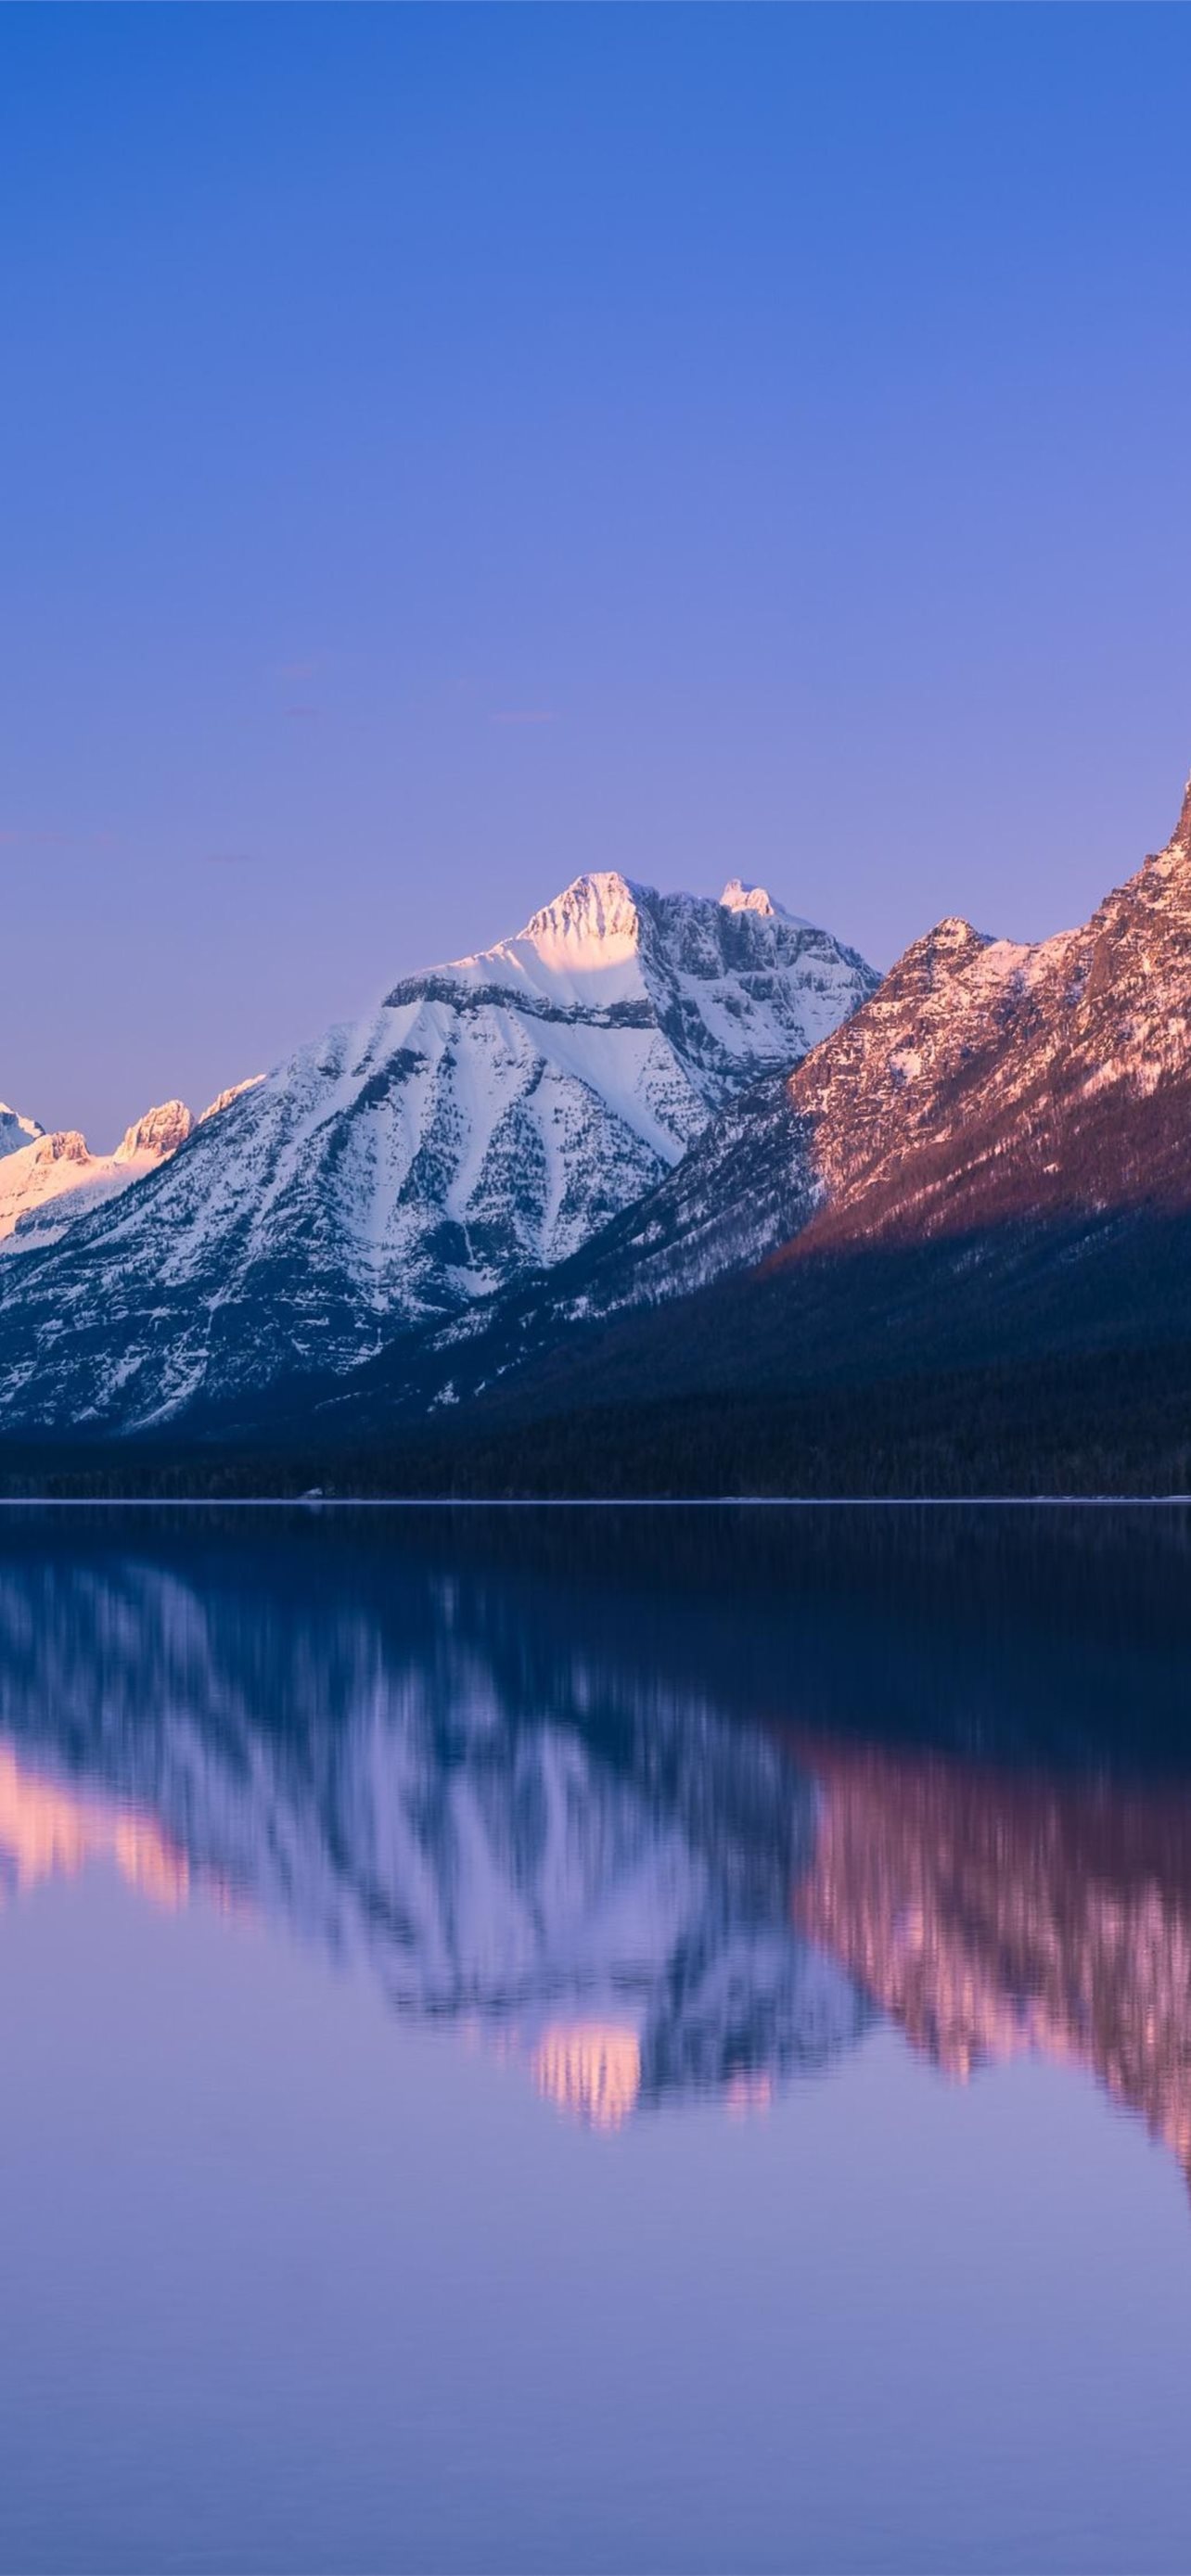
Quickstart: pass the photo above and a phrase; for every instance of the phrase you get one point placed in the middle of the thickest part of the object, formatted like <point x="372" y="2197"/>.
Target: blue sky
<point x="447" y="448"/>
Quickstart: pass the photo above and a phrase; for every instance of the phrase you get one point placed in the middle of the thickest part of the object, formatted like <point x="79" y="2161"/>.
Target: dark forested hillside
<point x="1027" y="1364"/>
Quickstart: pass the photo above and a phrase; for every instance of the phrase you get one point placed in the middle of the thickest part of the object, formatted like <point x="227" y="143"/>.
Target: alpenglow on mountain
<point x="991" y="1084"/>
<point x="48" y="1182"/>
<point x="485" y="1121"/>
<point x="990" y="1094"/>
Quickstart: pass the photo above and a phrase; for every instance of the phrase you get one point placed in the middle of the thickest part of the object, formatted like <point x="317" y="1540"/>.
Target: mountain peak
<point x="953" y="942"/>
<point x="159" y="1132"/>
<point x="65" y="1145"/>
<point x="738" y="897"/>
<point x="956" y="931"/>
<point x="595" y="909"/>
<point x="57" y="1179"/>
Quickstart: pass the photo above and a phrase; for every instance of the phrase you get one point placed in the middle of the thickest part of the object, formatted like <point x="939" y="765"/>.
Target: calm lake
<point x="595" y="2040"/>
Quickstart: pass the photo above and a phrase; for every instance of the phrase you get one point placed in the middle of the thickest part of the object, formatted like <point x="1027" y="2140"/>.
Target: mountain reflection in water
<point x="988" y="1916"/>
<point x="665" y="1811"/>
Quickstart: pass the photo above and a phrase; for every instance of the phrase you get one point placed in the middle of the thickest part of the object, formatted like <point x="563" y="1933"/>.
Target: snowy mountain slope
<point x="486" y="1120"/>
<point x="738" y="1192"/>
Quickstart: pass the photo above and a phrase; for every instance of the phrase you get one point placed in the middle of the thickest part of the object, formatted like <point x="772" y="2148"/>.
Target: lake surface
<point x="595" y="2040"/>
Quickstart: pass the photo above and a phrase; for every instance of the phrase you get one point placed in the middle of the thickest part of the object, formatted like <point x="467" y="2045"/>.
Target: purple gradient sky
<point x="447" y="449"/>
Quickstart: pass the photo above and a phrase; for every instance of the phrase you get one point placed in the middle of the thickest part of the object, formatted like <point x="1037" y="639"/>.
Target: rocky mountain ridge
<point x="986" y="1081"/>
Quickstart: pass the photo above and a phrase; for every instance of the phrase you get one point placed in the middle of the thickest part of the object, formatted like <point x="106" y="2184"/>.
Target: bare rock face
<point x="64" y="1145"/>
<point x="157" y="1135"/>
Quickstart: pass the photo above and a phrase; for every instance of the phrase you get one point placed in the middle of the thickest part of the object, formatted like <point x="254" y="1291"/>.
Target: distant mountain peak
<point x="954" y="936"/>
<point x="158" y="1133"/>
<point x="53" y="1181"/>
<point x="64" y="1145"/>
<point x="739" y="897"/>
<point x="951" y="950"/>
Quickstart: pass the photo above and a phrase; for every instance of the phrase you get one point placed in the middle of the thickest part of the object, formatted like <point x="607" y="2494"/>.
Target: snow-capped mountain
<point x="47" y="1185"/>
<point x="487" y="1120"/>
<point x="985" y="1088"/>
